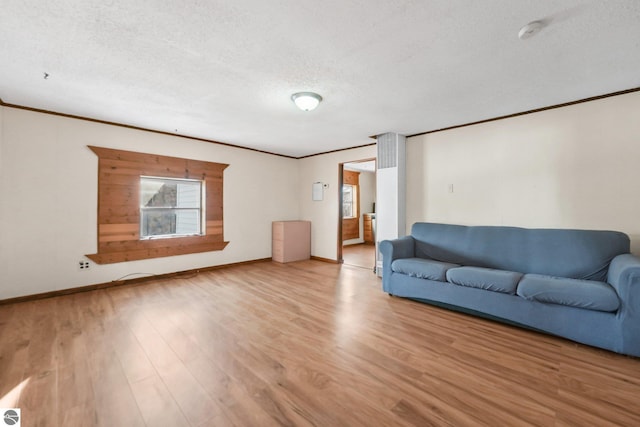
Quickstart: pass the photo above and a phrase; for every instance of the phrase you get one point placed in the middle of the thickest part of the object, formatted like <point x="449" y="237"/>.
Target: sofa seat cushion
<point x="422" y="268"/>
<point x="485" y="278"/>
<point x="588" y="294"/>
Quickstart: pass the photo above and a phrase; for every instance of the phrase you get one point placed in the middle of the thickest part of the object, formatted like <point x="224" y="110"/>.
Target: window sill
<point x="155" y="248"/>
<point x="170" y="236"/>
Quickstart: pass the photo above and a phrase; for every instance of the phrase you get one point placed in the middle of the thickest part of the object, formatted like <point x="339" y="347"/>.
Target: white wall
<point x="574" y="167"/>
<point x="324" y="214"/>
<point x="367" y="196"/>
<point x="571" y="167"/>
<point x="3" y="243"/>
<point x="367" y="191"/>
<point x="48" y="208"/>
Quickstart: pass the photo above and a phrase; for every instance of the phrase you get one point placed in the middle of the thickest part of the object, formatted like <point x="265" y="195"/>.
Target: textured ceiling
<point x="225" y="70"/>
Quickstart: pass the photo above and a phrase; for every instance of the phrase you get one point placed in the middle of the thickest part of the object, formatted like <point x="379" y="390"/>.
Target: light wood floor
<point x="359" y="255"/>
<point x="306" y="343"/>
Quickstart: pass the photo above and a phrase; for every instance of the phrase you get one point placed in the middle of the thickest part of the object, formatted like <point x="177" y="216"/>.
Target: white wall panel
<point x="571" y="167"/>
<point x="324" y="214"/>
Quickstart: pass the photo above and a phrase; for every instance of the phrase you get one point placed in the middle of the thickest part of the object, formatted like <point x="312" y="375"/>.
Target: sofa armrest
<point x="624" y="276"/>
<point x="391" y="250"/>
<point x="404" y="247"/>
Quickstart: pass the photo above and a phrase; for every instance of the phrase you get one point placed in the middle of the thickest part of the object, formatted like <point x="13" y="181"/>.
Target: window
<point x="348" y="197"/>
<point x="152" y="206"/>
<point x="170" y="207"/>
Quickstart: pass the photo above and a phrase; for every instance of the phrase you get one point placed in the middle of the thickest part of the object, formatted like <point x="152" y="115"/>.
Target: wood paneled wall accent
<point x="351" y="226"/>
<point x="119" y="206"/>
<point x="351" y="177"/>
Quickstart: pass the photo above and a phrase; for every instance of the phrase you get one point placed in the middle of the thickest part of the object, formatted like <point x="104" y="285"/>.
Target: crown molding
<point x="106" y="122"/>
<point x="508" y="116"/>
<point x="537" y="110"/>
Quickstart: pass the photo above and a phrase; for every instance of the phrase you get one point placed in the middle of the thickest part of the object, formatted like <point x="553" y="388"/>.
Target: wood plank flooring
<point x="359" y="255"/>
<point x="300" y="344"/>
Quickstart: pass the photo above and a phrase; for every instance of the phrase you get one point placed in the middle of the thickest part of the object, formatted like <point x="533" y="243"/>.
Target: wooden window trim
<point x="119" y="206"/>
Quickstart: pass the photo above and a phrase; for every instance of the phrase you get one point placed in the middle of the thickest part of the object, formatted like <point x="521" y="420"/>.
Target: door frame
<point x="340" y="183"/>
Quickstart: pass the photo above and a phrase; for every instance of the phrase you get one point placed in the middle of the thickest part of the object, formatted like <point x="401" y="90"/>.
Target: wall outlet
<point x="83" y="265"/>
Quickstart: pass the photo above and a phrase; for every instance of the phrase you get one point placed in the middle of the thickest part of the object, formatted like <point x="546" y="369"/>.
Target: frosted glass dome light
<point x="306" y="101"/>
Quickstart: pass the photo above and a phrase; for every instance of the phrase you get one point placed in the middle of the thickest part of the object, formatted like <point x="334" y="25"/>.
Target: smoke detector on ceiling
<point x="529" y="30"/>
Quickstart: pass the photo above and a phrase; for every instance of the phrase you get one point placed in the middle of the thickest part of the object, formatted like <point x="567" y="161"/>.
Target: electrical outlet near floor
<point x="83" y="265"/>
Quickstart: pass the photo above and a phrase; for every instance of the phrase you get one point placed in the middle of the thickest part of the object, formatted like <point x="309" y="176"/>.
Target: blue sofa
<point x="583" y="285"/>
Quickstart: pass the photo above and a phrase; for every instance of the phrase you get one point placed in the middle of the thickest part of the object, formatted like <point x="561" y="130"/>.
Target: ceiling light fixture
<point x="306" y="101"/>
<point x="530" y="30"/>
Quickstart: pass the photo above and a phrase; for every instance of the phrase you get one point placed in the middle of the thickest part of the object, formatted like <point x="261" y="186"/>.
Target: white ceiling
<point x="225" y="70"/>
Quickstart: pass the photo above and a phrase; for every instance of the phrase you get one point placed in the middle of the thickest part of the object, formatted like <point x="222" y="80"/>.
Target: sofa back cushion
<point x="576" y="254"/>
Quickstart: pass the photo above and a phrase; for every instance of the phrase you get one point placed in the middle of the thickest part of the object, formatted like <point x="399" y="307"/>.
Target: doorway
<point x="356" y="231"/>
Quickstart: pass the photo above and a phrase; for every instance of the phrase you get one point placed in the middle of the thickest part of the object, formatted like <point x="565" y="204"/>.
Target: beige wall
<point x="367" y="197"/>
<point x="324" y="214"/>
<point x="48" y="185"/>
<point x="571" y="167"/>
<point x="3" y="242"/>
<point x="574" y="167"/>
<point x="367" y="191"/>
